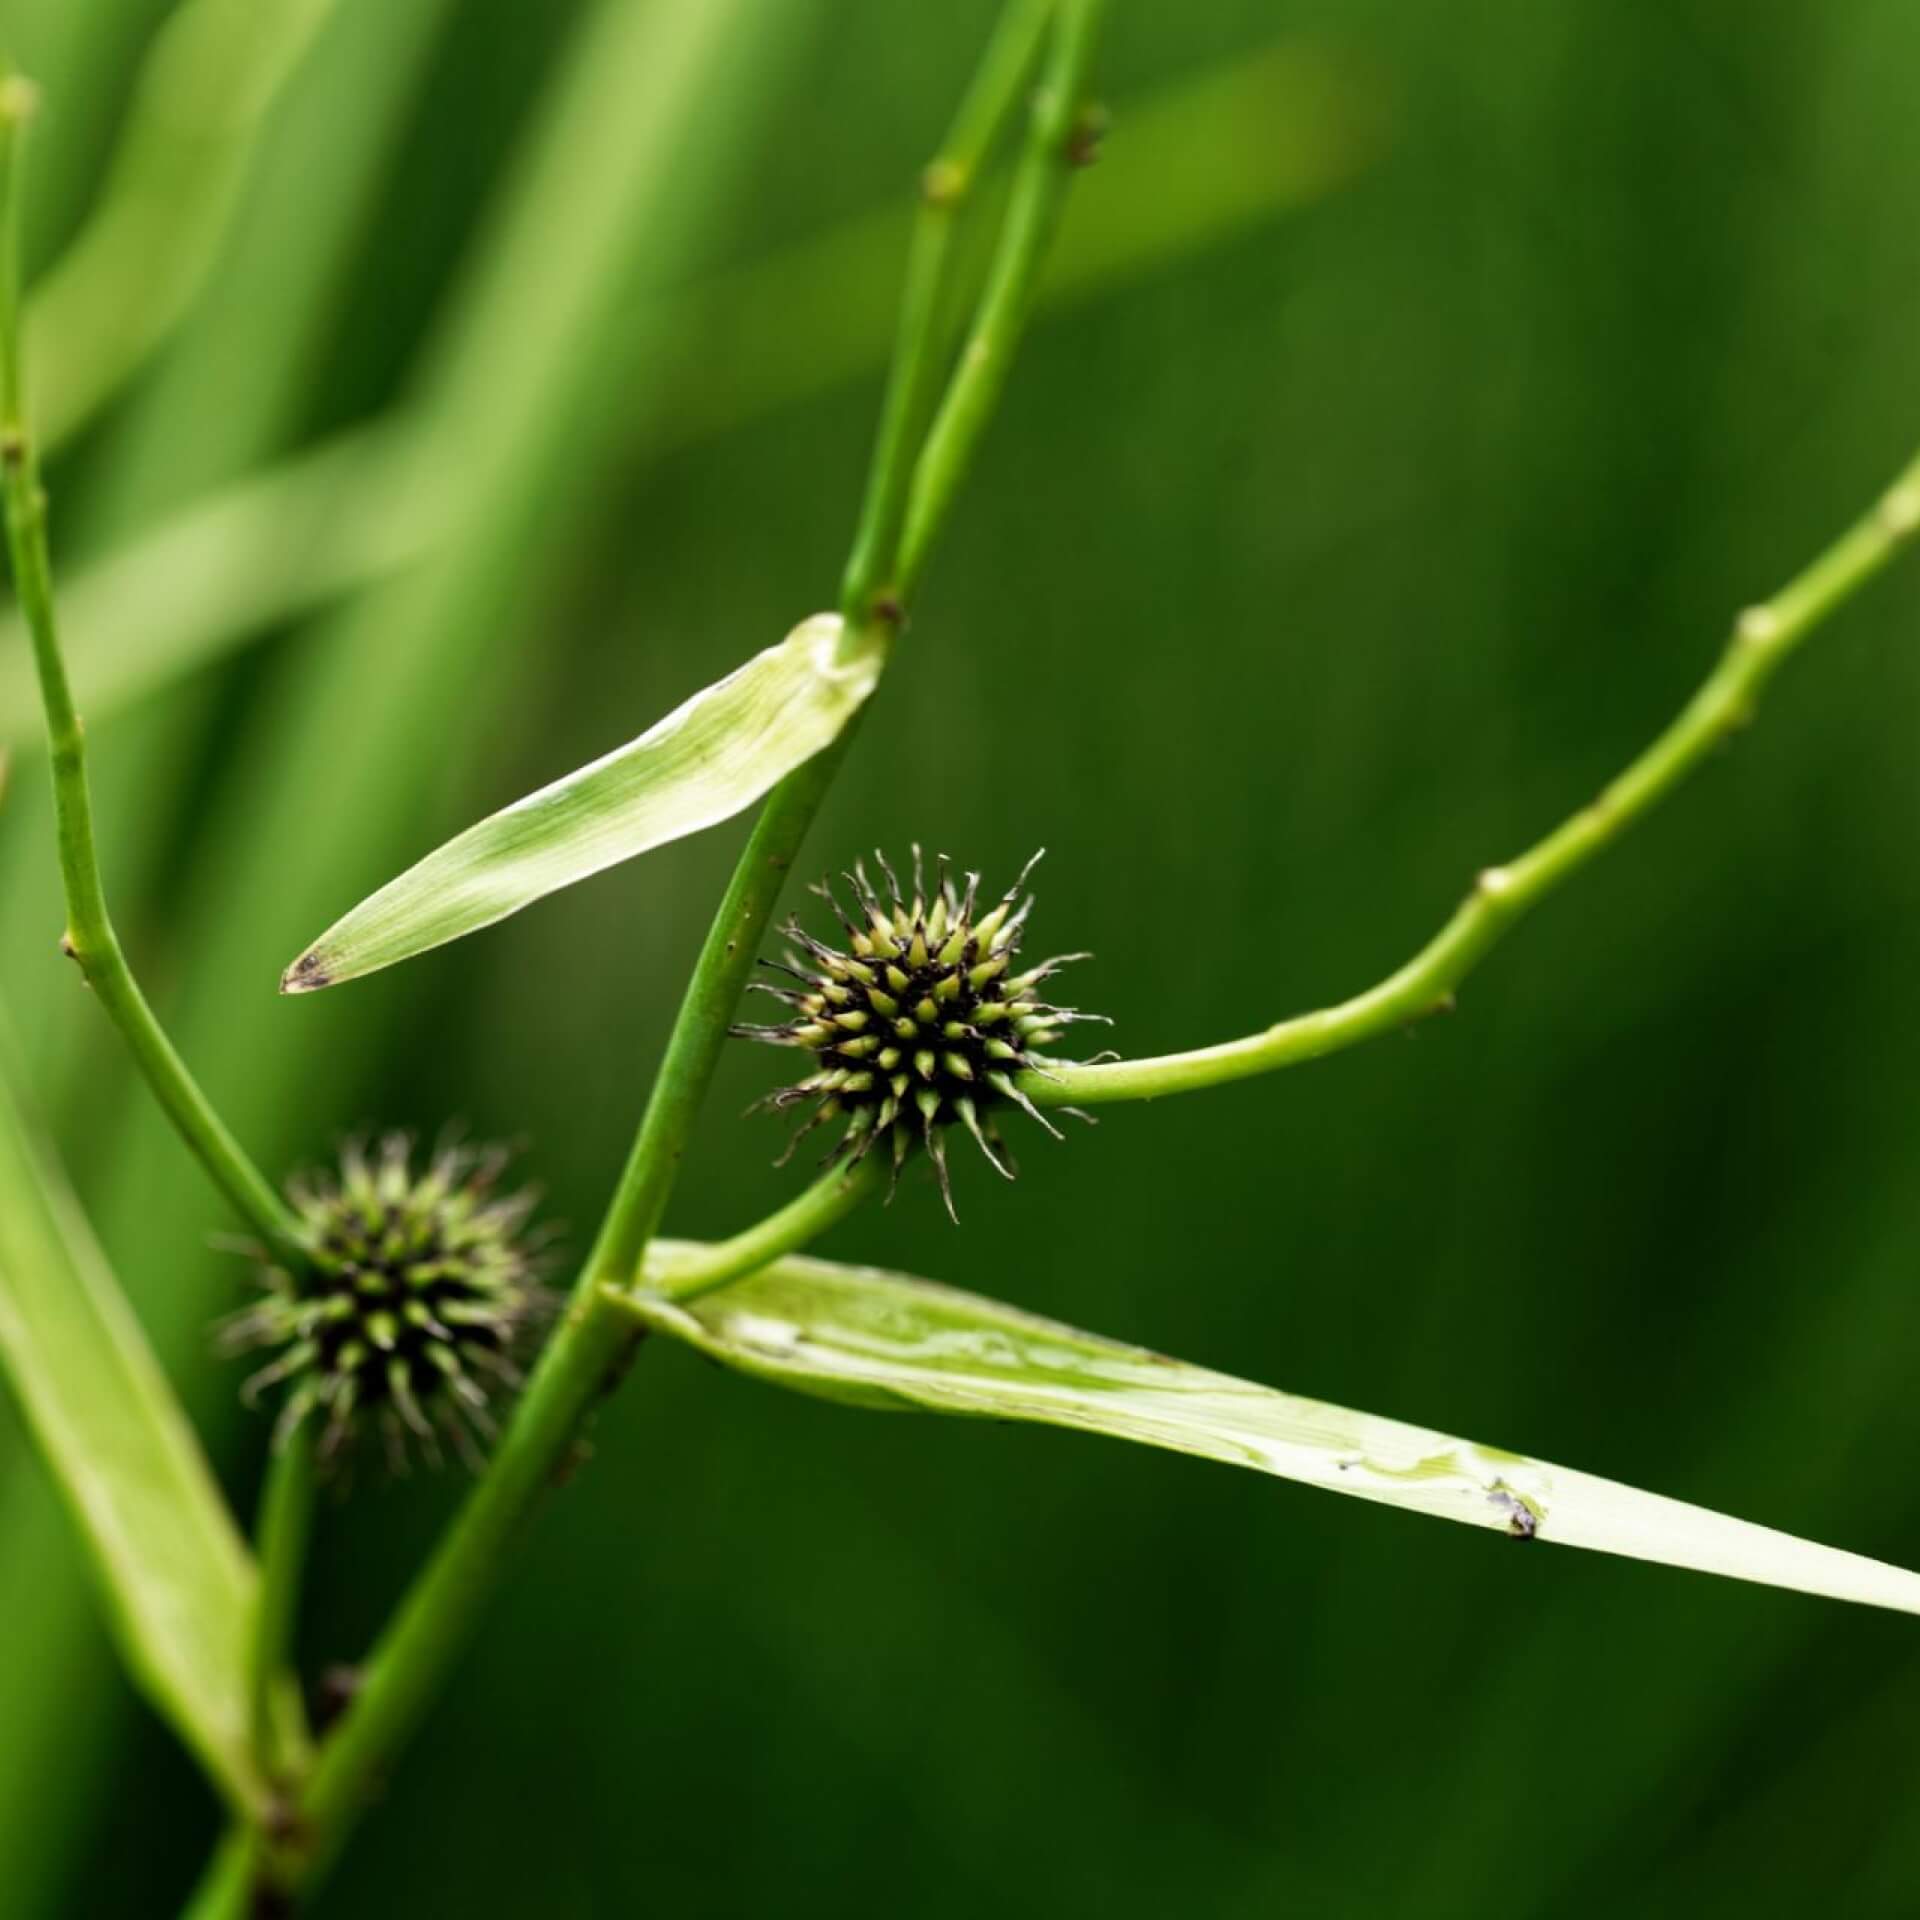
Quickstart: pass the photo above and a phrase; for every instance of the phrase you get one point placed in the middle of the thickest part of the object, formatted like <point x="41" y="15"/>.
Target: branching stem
<point x="798" y="1224"/>
<point x="1724" y="703"/>
<point x="946" y="185"/>
<point x="1064" y="134"/>
<point x="90" y="937"/>
<point x="280" y="1540"/>
<point x="586" y="1356"/>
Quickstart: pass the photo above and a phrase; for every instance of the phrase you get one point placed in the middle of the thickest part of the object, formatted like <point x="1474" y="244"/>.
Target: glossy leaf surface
<point x="707" y="760"/>
<point x="879" y="1339"/>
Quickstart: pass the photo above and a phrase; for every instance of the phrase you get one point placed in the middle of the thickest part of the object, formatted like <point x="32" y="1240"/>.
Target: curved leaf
<point x="225" y="568"/>
<point x="708" y="759"/>
<point x="178" y="1580"/>
<point x="878" y="1339"/>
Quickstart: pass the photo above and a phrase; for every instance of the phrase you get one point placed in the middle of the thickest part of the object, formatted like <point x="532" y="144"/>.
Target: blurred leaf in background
<point x="1332" y="541"/>
<point x="171" y="1563"/>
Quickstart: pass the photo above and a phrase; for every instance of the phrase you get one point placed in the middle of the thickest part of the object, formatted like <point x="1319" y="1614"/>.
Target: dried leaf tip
<point x="308" y="974"/>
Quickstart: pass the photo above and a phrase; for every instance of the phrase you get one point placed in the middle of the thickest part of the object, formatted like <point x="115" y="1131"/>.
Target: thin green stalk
<point x="700" y="1029"/>
<point x="1204" y="157"/>
<point x="281" y="1537"/>
<point x="90" y="937"/>
<point x="586" y="1357"/>
<point x="282" y="271"/>
<point x="581" y="1362"/>
<point x="798" y="1224"/>
<point x="1725" y="702"/>
<point x="1063" y="135"/>
<point x="946" y="184"/>
<point x="226" y="1888"/>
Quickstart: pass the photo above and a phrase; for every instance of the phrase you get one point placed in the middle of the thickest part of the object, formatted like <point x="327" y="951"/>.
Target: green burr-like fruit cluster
<point x="927" y="1019"/>
<point x="406" y="1315"/>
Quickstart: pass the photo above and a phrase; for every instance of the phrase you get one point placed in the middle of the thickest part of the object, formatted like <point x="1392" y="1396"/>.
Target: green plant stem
<point x="90" y="937"/>
<point x="1061" y="136"/>
<point x="1725" y="702"/>
<point x="1205" y="156"/>
<point x="225" y="1889"/>
<point x="281" y="1537"/>
<point x="799" y="1223"/>
<point x="586" y="1357"/>
<point x="946" y="184"/>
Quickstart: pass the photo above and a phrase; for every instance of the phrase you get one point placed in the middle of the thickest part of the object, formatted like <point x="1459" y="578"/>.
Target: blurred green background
<point x="1420" y="391"/>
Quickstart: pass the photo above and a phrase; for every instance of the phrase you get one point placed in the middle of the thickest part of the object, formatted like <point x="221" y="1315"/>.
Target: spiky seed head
<point x="925" y="1020"/>
<point x="406" y="1318"/>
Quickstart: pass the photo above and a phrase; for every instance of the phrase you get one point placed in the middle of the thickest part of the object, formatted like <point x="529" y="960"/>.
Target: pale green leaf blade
<point x="178" y="1581"/>
<point x="239" y="562"/>
<point x="706" y="761"/>
<point x="882" y="1339"/>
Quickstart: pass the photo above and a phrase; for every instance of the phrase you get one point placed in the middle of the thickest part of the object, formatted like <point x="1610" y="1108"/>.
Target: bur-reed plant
<point x="389" y="1287"/>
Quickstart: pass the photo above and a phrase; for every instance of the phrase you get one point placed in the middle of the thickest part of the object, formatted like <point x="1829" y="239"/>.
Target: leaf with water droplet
<point x="878" y="1339"/>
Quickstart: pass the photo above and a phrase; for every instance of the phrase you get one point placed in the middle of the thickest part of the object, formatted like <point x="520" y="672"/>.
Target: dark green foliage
<point x="1301" y="580"/>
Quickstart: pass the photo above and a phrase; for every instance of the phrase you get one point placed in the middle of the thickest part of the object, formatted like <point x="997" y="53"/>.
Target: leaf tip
<point x="308" y="974"/>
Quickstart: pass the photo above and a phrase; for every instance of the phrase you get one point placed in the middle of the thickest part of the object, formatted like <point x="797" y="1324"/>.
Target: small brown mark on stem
<point x="283" y="1824"/>
<point x="579" y="1452"/>
<point x="620" y="1366"/>
<point x="337" y="1689"/>
<point x="1088" y="130"/>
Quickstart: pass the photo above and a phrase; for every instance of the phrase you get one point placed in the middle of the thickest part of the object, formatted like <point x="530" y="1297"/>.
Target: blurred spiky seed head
<point x="405" y="1319"/>
<point x="925" y="1021"/>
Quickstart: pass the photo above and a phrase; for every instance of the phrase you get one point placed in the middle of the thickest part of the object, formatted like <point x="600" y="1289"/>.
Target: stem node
<point x="1084" y="137"/>
<point x="944" y="183"/>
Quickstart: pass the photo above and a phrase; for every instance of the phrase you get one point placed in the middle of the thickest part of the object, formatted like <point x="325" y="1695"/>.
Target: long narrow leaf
<point x="199" y="581"/>
<point x="708" y="759"/>
<point x="1205" y="157"/>
<point x="880" y="1339"/>
<point x="178" y="1581"/>
<point x="215" y="72"/>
